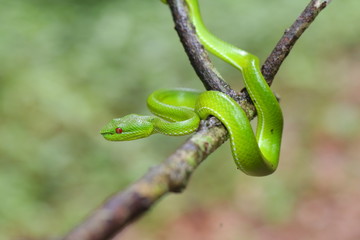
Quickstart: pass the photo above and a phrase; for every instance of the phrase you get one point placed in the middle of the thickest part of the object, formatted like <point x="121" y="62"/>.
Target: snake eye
<point x="118" y="130"/>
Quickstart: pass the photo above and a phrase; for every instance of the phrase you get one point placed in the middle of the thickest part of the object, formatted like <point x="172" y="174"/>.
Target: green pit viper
<point x="179" y="111"/>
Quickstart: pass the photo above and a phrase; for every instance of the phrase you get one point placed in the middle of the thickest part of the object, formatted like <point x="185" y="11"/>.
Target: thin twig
<point x="288" y="40"/>
<point x="173" y="174"/>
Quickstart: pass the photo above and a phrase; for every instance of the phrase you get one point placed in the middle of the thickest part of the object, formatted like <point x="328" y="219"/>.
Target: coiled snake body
<point x="178" y="111"/>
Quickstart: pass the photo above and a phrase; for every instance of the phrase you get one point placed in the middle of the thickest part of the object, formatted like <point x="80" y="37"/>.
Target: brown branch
<point x="288" y="40"/>
<point x="198" y="57"/>
<point x="173" y="174"/>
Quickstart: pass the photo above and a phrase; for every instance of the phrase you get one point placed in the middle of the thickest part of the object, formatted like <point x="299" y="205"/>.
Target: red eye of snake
<point x="118" y="130"/>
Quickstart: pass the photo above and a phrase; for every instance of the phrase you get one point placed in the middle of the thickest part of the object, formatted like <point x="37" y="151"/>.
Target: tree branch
<point x="174" y="173"/>
<point x="291" y="35"/>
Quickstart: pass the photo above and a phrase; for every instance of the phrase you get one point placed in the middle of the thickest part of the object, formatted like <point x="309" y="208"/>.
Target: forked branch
<point x="173" y="174"/>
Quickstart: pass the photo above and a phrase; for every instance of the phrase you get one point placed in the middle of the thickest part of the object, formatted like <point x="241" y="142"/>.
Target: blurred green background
<point x="68" y="67"/>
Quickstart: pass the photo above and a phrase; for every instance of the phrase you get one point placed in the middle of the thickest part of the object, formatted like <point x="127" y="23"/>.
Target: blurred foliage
<point x="67" y="67"/>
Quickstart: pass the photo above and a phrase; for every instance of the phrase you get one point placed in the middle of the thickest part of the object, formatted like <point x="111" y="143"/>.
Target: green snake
<point x="179" y="111"/>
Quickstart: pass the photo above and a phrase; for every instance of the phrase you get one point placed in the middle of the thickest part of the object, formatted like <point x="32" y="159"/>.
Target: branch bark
<point x="174" y="173"/>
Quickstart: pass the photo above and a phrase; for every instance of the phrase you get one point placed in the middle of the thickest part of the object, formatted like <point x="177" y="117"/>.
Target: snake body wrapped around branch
<point x="179" y="111"/>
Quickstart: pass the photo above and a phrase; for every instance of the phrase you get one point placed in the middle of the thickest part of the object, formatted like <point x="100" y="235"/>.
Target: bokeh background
<point x="67" y="67"/>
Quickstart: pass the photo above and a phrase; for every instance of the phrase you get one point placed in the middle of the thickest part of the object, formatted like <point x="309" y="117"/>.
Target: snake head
<point x="127" y="128"/>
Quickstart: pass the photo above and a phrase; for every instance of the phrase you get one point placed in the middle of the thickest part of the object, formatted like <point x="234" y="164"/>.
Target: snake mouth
<point x="106" y="132"/>
<point x="124" y="136"/>
<point x="110" y="136"/>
